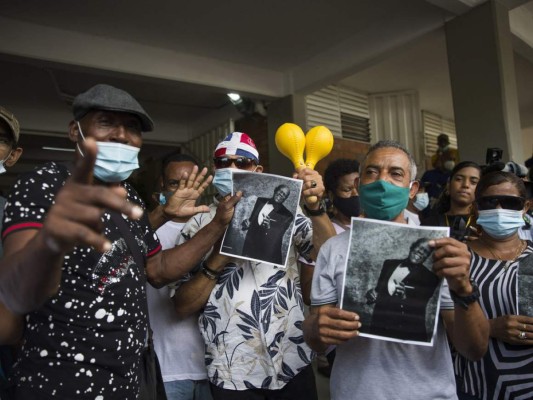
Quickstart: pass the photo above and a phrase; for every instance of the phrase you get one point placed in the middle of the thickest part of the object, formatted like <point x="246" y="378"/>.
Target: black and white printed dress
<point x="506" y="370"/>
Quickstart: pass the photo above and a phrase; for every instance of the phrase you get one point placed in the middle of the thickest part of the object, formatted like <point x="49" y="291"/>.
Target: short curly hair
<point x="337" y="169"/>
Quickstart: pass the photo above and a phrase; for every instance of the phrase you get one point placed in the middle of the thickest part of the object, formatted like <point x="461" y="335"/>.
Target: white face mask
<point x="2" y="167"/>
<point x="448" y="165"/>
<point x="421" y="201"/>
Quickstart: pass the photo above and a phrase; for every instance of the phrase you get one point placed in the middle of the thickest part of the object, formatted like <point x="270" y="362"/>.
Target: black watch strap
<point x="209" y="273"/>
<point x="465" y="301"/>
<point x="315" y="213"/>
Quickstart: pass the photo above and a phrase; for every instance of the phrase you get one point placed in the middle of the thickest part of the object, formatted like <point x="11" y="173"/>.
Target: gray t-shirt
<point x="367" y="368"/>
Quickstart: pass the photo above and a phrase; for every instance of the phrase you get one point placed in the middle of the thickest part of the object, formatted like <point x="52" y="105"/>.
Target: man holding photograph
<point x="251" y="312"/>
<point x="377" y="369"/>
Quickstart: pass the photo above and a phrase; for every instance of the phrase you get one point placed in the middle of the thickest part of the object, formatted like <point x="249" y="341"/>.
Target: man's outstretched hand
<point x="182" y="203"/>
<point x="76" y="217"/>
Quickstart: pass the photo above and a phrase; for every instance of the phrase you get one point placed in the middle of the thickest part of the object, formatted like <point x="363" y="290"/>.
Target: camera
<point x="493" y="160"/>
<point x="494" y="155"/>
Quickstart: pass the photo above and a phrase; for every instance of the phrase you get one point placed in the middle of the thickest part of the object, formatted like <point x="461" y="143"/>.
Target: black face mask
<point x="349" y="206"/>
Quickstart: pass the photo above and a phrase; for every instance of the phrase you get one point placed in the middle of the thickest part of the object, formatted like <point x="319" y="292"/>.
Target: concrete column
<point x="481" y="63"/>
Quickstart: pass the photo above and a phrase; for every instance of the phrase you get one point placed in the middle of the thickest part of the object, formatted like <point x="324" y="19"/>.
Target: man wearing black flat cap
<point x="77" y="252"/>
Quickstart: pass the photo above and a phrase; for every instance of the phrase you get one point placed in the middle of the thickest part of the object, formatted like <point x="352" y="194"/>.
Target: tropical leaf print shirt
<point x="252" y="322"/>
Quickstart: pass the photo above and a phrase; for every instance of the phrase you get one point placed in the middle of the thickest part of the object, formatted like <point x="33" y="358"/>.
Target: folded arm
<point x="172" y="264"/>
<point x="192" y="296"/>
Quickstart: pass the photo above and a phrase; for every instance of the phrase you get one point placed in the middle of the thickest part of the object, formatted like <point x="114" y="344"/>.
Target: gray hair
<point x="382" y="144"/>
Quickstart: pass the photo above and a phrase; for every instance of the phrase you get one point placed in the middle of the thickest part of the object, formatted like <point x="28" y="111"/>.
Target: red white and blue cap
<point x="237" y="144"/>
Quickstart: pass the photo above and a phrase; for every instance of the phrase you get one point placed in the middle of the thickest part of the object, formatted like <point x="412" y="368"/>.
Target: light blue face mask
<point x="500" y="223"/>
<point x="421" y="201"/>
<point x="223" y="181"/>
<point x="2" y="167"/>
<point x="164" y="196"/>
<point x="114" y="161"/>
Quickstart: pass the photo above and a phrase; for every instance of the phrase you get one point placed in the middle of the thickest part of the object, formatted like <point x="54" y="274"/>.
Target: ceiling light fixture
<point x="234" y="97"/>
<point x="247" y="106"/>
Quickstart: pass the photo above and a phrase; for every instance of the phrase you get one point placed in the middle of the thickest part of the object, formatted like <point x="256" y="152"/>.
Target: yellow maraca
<point x="318" y="144"/>
<point x="290" y="141"/>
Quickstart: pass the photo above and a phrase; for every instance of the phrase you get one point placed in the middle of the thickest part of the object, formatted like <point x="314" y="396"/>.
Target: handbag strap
<point x="136" y="253"/>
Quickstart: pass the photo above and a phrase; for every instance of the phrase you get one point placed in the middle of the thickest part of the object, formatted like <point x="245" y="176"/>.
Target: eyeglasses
<point x="240" y="162"/>
<point x="507" y="202"/>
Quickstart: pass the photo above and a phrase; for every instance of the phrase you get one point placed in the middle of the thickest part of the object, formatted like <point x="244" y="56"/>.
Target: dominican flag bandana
<point x="237" y="144"/>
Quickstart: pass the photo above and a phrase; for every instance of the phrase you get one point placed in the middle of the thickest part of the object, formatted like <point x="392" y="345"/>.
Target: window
<point x="343" y="110"/>
<point x="433" y="126"/>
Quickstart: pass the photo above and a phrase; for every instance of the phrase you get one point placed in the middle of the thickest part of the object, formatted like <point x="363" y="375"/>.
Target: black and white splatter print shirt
<point x="84" y="342"/>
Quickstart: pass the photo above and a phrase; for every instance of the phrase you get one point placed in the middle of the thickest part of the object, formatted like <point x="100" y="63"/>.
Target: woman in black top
<point x="454" y="208"/>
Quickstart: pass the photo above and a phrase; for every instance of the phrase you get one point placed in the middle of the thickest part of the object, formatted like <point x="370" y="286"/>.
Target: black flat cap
<point x="109" y="98"/>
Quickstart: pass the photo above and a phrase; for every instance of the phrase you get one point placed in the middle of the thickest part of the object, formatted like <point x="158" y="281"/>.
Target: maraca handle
<point x="312" y="199"/>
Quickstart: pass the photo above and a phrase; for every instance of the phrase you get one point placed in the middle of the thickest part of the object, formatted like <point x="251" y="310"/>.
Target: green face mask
<point x="383" y="200"/>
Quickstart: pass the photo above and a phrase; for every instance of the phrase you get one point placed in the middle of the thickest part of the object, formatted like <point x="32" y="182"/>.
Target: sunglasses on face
<point x="240" y="162"/>
<point x="507" y="202"/>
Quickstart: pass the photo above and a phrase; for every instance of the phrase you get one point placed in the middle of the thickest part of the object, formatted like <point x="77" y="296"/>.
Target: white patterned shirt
<point x="252" y="322"/>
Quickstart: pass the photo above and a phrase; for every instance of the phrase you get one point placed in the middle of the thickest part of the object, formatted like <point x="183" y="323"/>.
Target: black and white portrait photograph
<point x="263" y="222"/>
<point x="525" y="283"/>
<point x="389" y="280"/>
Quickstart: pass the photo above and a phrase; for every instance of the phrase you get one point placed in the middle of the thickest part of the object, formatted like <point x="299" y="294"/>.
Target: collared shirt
<point x="267" y="209"/>
<point x="252" y="322"/>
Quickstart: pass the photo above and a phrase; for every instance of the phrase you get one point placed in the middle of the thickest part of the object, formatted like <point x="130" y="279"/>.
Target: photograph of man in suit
<point x="401" y="296"/>
<point x="266" y="227"/>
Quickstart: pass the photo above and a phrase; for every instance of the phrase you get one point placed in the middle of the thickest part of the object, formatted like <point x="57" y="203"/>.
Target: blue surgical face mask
<point x="223" y="181"/>
<point x="500" y="223"/>
<point x="383" y="200"/>
<point x="421" y="201"/>
<point x="163" y="196"/>
<point x="114" y="161"/>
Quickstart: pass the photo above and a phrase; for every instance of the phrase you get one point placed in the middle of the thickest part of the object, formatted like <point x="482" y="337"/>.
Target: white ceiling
<point x="423" y="66"/>
<point x="180" y="58"/>
<point x="276" y="34"/>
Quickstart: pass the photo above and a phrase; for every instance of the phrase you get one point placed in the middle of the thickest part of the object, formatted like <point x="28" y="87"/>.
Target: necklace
<point x="467" y="224"/>
<point x="519" y="249"/>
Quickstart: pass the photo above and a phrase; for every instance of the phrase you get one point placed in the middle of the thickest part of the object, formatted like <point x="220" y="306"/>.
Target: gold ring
<point x="525" y="327"/>
<point x="313" y="184"/>
<point x="522" y="335"/>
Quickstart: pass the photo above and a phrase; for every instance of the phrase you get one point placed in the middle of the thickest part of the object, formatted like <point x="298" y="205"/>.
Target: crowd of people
<point x="88" y="275"/>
